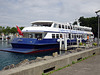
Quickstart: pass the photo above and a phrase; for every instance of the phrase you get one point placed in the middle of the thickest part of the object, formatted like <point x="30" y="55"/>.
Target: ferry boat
<point x="43" y="36"/>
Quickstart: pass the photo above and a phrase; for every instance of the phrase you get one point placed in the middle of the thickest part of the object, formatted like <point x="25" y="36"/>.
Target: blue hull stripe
<point x="23" y="45"/>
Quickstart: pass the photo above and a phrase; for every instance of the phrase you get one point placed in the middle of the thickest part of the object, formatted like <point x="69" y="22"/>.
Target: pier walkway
<point x="90" y="66"/>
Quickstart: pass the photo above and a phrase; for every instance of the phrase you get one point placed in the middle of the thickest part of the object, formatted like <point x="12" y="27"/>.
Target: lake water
<point x="8" y="58"/>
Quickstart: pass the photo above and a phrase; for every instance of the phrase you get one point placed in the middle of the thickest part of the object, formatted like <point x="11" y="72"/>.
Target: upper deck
<point x="52" y="26"/>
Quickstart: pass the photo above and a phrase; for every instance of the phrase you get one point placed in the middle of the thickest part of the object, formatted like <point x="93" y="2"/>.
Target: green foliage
<point x="13" y="30"/>
<point x="90" y="22"/>
<point x="80" y="43"/>
<point x="84" y="44"/>
<point x="55" y="70"/>
<point x="95" y="44"/>
<point x="7" y="30"/>
<point x="21" y="28"/>
<point x="75" y="23"/>
<point x="83" y="58"/>
<point x="68" y="65"/>
<point x="44" y="74"/>
<point x="0" y="29"/>
<point x="73" y="62"/>
<point x="80" y="60"/>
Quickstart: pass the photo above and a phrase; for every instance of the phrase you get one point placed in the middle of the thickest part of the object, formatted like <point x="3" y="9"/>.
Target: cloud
<point x="22" y="12"/>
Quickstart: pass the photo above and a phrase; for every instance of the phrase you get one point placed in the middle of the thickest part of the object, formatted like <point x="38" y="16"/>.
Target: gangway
<point x="64" y="46"/>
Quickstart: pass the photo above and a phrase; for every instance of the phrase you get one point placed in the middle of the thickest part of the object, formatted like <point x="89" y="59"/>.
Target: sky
<point x="23" y="12"/>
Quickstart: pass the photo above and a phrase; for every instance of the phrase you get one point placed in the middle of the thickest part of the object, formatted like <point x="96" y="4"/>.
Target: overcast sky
<point x="22" y="12"/>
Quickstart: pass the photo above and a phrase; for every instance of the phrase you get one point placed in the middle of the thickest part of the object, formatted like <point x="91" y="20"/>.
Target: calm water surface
<point x="8" y="58"/>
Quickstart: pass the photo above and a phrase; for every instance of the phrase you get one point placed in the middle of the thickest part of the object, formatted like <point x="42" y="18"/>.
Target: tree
<point x="75" y="23"/>
<point x="21" y="28"/>
<point x="7" y="30"/>
<point x="90" y="22"/>
<point x="3" y="30"/>
<point x="0" y="29"/>
<point x="13" y="30"/>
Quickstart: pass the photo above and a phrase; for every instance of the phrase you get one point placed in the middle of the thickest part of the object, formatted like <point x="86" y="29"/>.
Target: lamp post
<point x="98" y="24"/>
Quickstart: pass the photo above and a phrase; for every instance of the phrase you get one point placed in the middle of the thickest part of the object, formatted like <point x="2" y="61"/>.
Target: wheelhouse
<point x="42" y="24"/>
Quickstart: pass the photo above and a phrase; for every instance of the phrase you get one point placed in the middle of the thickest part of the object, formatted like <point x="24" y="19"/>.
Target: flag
<point x="19" y="31"/>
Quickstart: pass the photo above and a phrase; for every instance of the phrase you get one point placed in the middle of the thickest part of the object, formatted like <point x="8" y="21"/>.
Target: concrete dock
<point x="90" y="66"/>
<point x="54" y="63"/>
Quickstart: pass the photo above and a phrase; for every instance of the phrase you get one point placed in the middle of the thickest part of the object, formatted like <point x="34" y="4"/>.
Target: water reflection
<point x="8" y="58"/>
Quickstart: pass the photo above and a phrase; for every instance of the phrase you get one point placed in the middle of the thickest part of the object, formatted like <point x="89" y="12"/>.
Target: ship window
<point x="59" y="25"/>
<point x="30" y="36"/>
<point x="60" y="35"/>
<point x="75" y="36"/>
<point x="25" y="35"/>
<point x="57" y="35"/>
<point x="46" y="24"/>
<point x="69" y="35"/>
<point x="38" y="35"/>
<point x="79" y="36"/>
<point x="68" y="27"/>
<point x="55" y="25"/>
<point x="53" y="35"/>
<point x="63" y="26"/>
<point x="72" y="35"/>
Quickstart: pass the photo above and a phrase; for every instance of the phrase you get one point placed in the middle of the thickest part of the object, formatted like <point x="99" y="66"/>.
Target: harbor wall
<point x="44" y="66"/>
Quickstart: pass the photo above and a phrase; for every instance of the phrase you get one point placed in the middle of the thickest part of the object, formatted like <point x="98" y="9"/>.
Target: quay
<point x="90" y="66"/>
<point x="38" y="68"/>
